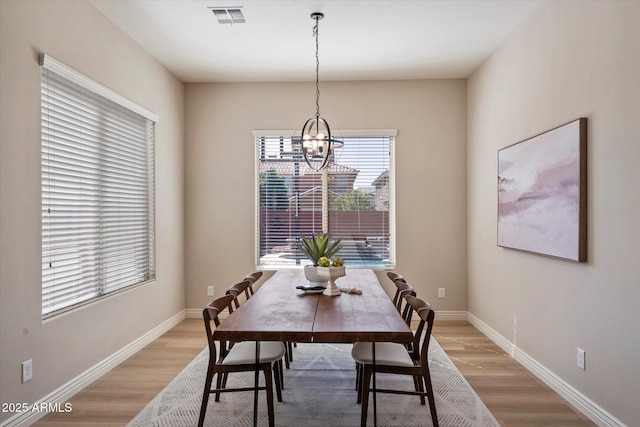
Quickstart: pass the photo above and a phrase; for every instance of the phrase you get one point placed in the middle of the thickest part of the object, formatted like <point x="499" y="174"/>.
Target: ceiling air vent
<point x="229" y="15"/>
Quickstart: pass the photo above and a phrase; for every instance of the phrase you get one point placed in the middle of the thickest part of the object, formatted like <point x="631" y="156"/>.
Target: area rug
<point x="319" y="391"/>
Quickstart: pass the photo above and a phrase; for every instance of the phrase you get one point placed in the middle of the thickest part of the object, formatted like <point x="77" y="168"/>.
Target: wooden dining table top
<point x="280" y="312"/>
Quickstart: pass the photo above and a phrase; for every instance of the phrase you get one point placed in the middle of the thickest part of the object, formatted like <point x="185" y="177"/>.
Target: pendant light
<point x="316" y="141"/>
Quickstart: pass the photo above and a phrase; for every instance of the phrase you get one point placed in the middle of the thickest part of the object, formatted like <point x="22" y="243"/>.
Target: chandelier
<point x="315" y="141"/>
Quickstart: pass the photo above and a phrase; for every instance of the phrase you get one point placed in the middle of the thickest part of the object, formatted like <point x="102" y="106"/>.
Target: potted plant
<point x="320" y="249"/>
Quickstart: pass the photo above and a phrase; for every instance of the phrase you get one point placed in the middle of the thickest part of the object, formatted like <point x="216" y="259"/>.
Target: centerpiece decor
<point x="320" y="249"/>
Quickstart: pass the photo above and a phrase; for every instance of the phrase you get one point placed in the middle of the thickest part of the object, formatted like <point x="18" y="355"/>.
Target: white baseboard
<point x="578" y="400"/>
<point x="193" y="313"/>
<point x="451" y="315"/>
<point x="196" y="313"/>
<point x="66" y="391"/>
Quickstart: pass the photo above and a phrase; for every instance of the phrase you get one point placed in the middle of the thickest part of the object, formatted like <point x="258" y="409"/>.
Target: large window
<point x="97" y="190"/>
<point x="353" y="200"/>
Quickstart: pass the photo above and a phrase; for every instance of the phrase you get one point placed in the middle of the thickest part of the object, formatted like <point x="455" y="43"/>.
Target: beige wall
<point x="567" y="60"/>
<point x="78" y="35"/>
<point x="430" y="118"/>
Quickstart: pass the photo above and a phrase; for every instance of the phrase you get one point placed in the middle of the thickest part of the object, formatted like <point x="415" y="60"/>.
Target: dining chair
<point x="239" y="358"/>
<point x="396" y="278"/>
<point x="393" y="358"/>
<point x="239" y="289"/>
<point x="404" y="289"/>
<point x="253" y="278"/>
<point x="402" y="306"/>
<point x="243" y="288"/>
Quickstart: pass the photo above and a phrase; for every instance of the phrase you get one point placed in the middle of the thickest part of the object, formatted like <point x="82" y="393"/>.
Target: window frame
<point x="391" y="134"/>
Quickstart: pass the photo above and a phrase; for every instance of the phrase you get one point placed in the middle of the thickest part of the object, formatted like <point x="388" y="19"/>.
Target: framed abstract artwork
<point x="542" y="193"/>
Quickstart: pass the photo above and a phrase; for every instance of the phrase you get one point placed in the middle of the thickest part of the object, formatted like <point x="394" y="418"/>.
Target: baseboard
<point x="66" y="391"/>
<point x="451" y="315"/>
<point x="193" y="313"/>
<point x="578" y="400"/>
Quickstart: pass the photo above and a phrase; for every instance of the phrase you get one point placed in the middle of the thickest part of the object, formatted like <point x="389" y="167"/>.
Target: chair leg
<point x="359" y="376"/>
<point x="366" y="383"/>
<point x="205" y="396"/>
<point x="219" y="385"/>
<point x="432" y="401"/>
<point x="225" y="376"/>
<point x="269" y="386"/>
<point x="277" y="369"/>
<point x="417" y="381"/>
<point x="287" y="353"/>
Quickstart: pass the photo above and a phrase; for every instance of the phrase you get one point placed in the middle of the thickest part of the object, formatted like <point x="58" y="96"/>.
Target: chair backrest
<point x="237" y="289"/>
<point x="210" y="314"/>
<point x="396" y="278"/>
<point x="403" y="289"/>
<point x="253" y="278"/>
<point x="426" y="315"/>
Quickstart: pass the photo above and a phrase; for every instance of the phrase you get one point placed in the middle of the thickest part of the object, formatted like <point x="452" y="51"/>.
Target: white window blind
<point x="353" y="200"/>
<point x="97" y="190"/>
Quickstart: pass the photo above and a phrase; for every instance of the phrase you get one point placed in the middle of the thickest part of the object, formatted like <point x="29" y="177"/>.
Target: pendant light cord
<point x="315" y="34"/>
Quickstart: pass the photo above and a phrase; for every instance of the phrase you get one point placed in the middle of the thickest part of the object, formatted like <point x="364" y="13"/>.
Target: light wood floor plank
<point x="514" y="396"/>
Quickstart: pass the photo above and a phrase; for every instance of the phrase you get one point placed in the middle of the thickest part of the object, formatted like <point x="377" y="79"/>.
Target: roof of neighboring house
<point x="382" y="179"/>
<point x="286" y="168"/>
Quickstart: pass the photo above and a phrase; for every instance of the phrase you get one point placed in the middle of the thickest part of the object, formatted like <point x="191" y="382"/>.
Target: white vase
<point x="332" y="274"/>
<point x="315" y="278"/>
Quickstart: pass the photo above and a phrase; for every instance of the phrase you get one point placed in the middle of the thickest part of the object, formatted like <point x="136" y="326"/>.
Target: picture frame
<point x="542" y="193"/>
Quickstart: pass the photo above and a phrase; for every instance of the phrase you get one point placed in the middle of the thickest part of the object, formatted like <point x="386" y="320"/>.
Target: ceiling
<point x="359" y="40"/>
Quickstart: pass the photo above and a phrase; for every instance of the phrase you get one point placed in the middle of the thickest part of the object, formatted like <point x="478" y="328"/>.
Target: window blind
<point x="97" y="190"/>
<point x="353" y="200"/>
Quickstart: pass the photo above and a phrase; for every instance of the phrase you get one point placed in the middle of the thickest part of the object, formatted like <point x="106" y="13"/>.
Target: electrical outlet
<point x="27" y="370"/>
<point x="581" y="355"/>
<point x="441" y="293"/>
<point x="210" y="291"/>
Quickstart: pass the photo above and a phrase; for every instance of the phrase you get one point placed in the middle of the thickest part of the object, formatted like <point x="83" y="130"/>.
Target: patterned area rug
<point x="319" y="391"/>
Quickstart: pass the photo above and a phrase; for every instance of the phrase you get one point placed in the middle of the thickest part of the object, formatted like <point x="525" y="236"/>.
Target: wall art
<point x="542" y="193"/>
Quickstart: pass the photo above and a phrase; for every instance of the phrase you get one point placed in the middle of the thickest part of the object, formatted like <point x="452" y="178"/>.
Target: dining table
<point x="279" y="311"/>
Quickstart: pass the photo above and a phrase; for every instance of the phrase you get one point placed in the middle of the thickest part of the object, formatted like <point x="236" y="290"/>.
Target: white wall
<point x="567" y="60"/>
<point x="430" y="117"/>
<point x="76" y="34"/>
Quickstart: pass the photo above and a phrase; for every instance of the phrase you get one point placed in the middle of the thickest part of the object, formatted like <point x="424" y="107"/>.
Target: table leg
<point x="257" y="379"/>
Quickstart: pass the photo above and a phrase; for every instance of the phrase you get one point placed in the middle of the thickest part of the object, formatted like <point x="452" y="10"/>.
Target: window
<point x="97" y="190"/>
<point x="353" y="200"/>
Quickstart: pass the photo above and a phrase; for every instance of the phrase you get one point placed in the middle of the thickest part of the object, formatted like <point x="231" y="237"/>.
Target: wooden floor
<point x="512" y="394"/>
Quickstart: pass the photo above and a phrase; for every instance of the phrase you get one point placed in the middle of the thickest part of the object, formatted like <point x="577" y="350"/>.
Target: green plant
<point x="318" y="246"/>
<point x="337" y="262"/>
